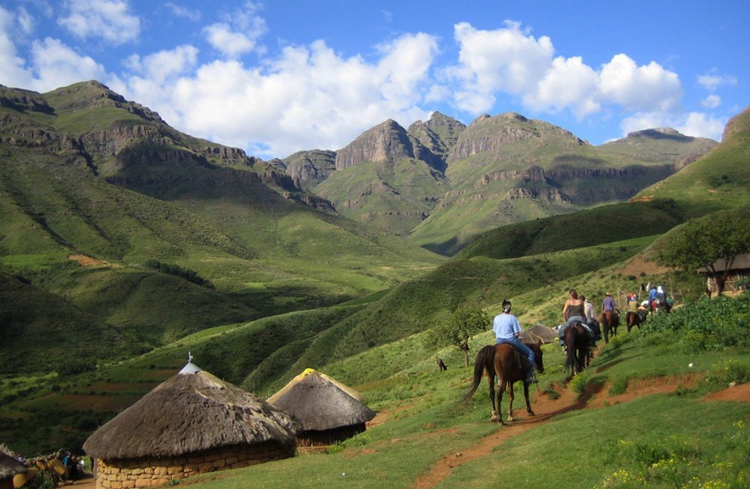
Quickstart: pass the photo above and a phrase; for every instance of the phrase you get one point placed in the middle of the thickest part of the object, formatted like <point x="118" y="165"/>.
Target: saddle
<point x="521" y="360"/>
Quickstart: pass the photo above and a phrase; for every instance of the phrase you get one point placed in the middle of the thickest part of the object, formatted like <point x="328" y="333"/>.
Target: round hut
<point x="9" y="468"/>
<point x="328" y="410"/>
<point x="192" y="423"/>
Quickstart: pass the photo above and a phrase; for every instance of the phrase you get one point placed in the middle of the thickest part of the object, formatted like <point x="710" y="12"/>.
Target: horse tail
<point x="484" y="361"/>
<point x="570" y="343"/>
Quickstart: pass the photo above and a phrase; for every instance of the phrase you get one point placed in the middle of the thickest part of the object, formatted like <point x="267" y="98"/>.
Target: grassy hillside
<point x="198" y="207"/>
<point x="509" y="169"/>
<point x="718" y="180"/>
<point x="585" y="228"/>
<point x="374" y="192"/>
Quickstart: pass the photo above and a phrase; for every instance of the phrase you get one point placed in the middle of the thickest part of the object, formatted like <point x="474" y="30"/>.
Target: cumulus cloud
<point x="163" y="65"/>
<point x="57" y="65"/>
<point x="568" y="83"/>
<point x="14" y="72"/>
<point x="308" y="97"/>
<point x="512" y="61"/>
<point x="238" y="33"/>
<point x="698" y="124"/>
<point x="109" y="20"/>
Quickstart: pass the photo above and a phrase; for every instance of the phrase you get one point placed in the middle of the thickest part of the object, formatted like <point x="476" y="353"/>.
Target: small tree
<point x="464" y="323"/>
<point x="700" y="243"/>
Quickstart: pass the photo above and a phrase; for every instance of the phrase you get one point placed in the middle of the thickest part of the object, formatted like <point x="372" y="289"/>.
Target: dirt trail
<point x="545" y="408"/>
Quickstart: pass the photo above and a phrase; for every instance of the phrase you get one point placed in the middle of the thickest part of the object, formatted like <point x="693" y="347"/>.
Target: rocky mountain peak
<point x="91" y="95"/>
<point x="737" y="124"/>
<point x="658" y="133"/>
<point x="386" y="142"/>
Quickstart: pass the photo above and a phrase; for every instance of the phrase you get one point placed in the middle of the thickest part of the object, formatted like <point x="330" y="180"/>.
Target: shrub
<point x="706" y="324"/>
<point x="186" y="273"/>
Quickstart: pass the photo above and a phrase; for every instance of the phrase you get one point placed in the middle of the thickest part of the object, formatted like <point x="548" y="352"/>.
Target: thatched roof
<point x="539" y="332"/>
<point x="741" y="262"/>
<point x="9" y="466"/>
<point x="190" y="412"/>
<point x="321" y="403"/>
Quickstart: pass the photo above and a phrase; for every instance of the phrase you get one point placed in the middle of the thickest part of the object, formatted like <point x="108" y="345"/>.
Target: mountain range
<point x="439" y="183"/>
<point x="123" y="239"/>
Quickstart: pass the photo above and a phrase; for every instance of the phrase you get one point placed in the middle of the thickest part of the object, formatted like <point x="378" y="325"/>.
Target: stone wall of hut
<point x="157" y="471"/>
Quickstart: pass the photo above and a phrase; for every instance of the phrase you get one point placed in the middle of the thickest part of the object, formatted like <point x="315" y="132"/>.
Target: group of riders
<point x="578" y="309"/>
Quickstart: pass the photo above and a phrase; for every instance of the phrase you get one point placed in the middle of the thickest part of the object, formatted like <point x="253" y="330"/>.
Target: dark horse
<point x="579" y="350"/>
<point x="633" y="319"/>
<point x="505" y="362"/>
<point x="609" y="320"/>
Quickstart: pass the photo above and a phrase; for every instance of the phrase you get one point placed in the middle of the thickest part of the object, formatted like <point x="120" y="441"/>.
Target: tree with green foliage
<point x="460" y="326"/>
<point x="713" y="243"/>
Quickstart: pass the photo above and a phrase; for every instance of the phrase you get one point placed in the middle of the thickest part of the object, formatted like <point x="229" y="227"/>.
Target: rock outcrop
<point x="386" y="142"/>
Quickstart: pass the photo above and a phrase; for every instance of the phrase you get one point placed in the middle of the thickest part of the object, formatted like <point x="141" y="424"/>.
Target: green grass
<point x="657" y="439"/>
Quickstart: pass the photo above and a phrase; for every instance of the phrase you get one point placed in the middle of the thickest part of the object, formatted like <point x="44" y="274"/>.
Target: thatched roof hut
<point x="328" y="410"/>
<point x="9" y="467"/>
<point x="537" y="333"/>
<point x="191" y="423"/>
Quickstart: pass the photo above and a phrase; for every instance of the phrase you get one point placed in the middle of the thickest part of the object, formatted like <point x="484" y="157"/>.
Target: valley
<point x="126" y="244"/>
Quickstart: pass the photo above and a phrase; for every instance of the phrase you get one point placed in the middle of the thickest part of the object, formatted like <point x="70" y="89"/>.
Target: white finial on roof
<point x="190" y="368"/>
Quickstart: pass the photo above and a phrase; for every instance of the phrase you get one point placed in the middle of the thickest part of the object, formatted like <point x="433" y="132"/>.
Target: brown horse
<point x="578" y="348"/>
<point x="509" y="366"/>
<point x="609" y="321"/>
<point x="633" y="319"/>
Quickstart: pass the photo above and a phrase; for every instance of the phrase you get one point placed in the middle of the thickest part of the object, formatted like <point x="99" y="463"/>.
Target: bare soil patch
<point x="639" y="265"/>
<point x="85" y="261"/>
<point x="735" y="393"/>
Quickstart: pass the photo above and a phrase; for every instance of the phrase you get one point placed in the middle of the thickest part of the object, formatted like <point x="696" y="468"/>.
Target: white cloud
<point x="57" y="65"/>
<point x="701" y="125"/>
<point x="569" y="83"/>
<point x="110" y="20"/>
<point x="711" y="102"/>
<point x="511" y="61"/>
<point x="309" y="97"/>
<point x="26" y="21"/>
<point x="14" y="72"/>
<point x="165" y="64"/>
<point x="184" y="12"/>
<point x="239" y="33"/>
<point x="643" y="88"/>
<point x="712" y="81"/>
<point x="506" y="60"/>
<point x="695" y="124"/>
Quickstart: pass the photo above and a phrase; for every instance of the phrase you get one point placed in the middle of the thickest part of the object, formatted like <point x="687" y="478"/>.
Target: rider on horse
<point x="574" y="312"/>
<point x="507" y="329"/>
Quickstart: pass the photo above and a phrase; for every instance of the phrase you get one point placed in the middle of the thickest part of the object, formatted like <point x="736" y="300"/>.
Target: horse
<point x="509" y="365"/>
<point x="609" y="320"/>
<point x="577" y="345"/>
<point x="633" y="319"/>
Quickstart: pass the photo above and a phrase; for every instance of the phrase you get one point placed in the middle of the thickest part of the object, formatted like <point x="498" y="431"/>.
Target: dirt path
<point x="545" y="408"/>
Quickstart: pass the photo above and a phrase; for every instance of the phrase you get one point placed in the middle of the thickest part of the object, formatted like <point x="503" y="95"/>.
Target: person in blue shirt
<point x="609" y="303"/>
<point x="507" y="329"/>
<point x="653" y="294"/>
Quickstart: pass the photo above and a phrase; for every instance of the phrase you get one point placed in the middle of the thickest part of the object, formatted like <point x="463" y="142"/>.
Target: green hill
<point x="71" y="228"/>
<point x="591" y="227"/>
<point x="718" y="180"/>
<point x="508" y="169"/>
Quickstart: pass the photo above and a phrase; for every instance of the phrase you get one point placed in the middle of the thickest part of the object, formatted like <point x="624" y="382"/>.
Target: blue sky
<point x="280" y="76"/>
